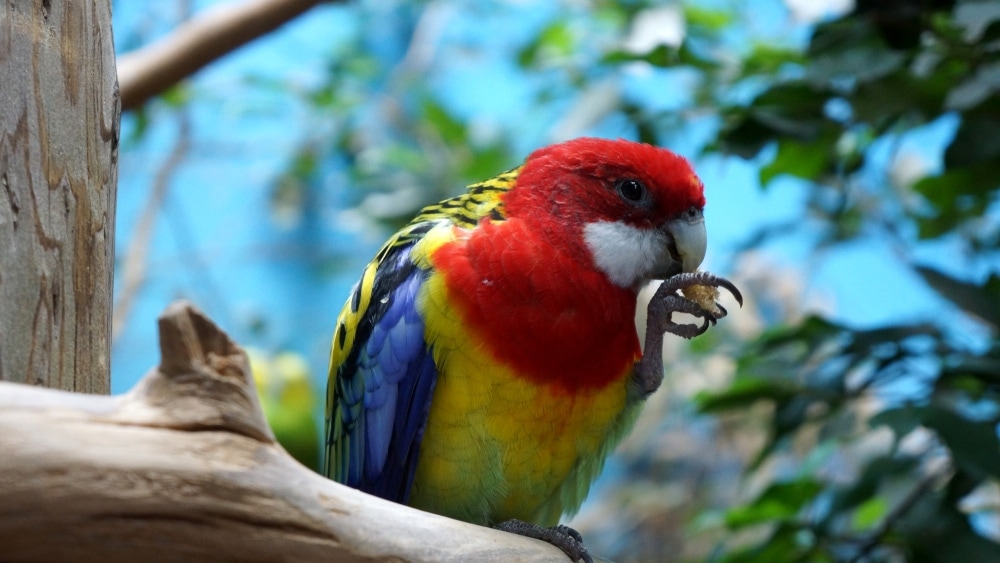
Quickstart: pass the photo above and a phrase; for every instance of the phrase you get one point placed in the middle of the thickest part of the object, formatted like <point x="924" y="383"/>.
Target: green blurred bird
<point x="289" y="401"/>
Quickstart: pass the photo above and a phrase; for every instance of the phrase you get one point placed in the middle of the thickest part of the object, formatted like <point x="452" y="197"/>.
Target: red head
<point x="635" y="208"/>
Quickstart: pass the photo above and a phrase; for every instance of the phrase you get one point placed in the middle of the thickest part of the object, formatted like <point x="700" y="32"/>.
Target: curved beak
<point x="687" y="243"/>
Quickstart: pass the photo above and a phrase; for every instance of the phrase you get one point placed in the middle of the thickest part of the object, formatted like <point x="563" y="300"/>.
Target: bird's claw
<point x="565" y="538"/>
<point x="648" y="372"/>
<point x="666" y="302"/>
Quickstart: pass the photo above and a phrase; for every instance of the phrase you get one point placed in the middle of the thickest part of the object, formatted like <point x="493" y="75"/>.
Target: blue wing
<point x="380" y="390"/>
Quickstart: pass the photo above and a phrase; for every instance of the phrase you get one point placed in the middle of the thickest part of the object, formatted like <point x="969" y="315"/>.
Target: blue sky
<point x="216" y="243"/>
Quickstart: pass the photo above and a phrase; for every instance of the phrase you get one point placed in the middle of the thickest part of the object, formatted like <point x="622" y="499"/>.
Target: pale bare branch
<point x="217" y="31"/>
<point x="184" y="467"/>
<point x="135" y="261"/>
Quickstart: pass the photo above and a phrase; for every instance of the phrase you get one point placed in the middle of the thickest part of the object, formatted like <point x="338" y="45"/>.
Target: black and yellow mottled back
<point x="466" y="210"/>
<point x="382" y="374"/>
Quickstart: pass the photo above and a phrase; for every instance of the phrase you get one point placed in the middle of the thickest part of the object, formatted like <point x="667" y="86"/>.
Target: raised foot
<point x="648" y="373"/>
<point x="565" y="538"/>
<point x="666" y="302"/>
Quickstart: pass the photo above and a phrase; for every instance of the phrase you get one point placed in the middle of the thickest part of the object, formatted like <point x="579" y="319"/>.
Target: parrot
<point x="487" y="361"/>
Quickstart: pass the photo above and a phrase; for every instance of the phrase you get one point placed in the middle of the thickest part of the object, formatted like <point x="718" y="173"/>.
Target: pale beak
<point x="688" y="242"/>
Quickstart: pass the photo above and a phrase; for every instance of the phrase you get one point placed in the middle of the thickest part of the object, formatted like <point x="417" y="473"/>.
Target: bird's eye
<point x="631" y="189"/>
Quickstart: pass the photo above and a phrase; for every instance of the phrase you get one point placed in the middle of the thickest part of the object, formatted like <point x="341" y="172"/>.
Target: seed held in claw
<point x="705" y="296"/>
<point x="706" y="293"/>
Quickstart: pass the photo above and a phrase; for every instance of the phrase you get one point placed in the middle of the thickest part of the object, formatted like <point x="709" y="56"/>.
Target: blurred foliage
<point x="867" y="77"/>
<point x="289" y="401"/>
<point x="873" y="444"/>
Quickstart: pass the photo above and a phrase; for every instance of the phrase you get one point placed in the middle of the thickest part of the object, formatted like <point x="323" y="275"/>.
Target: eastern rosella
<point x="487" y="361"/>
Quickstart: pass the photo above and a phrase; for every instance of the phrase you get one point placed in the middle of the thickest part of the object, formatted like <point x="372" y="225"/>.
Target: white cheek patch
<point x="626" y="254"/>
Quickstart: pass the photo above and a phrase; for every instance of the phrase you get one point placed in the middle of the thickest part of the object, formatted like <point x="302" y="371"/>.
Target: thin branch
<point x="872" y="540"/>
<point x="135" y="262"/>
<point x="151" y="70"/>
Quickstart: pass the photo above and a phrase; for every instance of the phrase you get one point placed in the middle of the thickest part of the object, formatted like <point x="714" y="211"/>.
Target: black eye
<point x="631" y="189"/>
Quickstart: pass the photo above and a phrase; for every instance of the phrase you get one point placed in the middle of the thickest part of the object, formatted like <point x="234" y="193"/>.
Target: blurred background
<point x="851" y="157"/>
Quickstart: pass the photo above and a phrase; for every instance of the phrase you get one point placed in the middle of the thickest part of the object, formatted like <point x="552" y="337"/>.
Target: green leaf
<point x="786" y="543"/>
<point x="791" y="110"/>
<point x="883" y="100"/>
<point x="664" y="56"/>
<point x="901" y="420"/>
<point x="769" y="59"/>
<point x="891" y="468"/>
<point x="861" y="64"/>
<point x="178" y="95"/>
<point x="981" y="301"/>
<point x="485" y="162"/>
<point x="972" y="372"/>
<point x="450" y="128"/>
<point x="976" y="141"/>
<point x="780" y="502"/>
<point x="744" y="135"/>
<point x="957" y="195"/>
<point x="555" y="40"/>
<point x="849" y="49"/>
<point x="886" y="345"/>
<point x="707" y="19"/>
<point x="934" y="530"/>
<point x="840" y="35"/>
<point x="869" y="513"/>
<point x="142" y="122"/>
<point x="991" y="32"/>
<point x="795" y="109"/>
<point x="977" y="88"/>
<point x="961" y="485"/>
<point x="802" y="160"/>
<point x="973" y="444"/>
<point x="813" y="332"/>
<point x="304" y="164"/>
<point x="744" y="392"/>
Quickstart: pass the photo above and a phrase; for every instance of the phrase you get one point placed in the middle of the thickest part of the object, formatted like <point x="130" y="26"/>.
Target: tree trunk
<point x="59" y="112"/>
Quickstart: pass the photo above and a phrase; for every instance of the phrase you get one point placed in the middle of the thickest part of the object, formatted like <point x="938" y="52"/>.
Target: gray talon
<point x="648" y="372"/>
<point x="565" y="538"/>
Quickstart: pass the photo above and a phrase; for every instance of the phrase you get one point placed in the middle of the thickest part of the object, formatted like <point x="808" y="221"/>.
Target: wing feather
<point x="382" y="372"/>
<point x="380" y="387"/>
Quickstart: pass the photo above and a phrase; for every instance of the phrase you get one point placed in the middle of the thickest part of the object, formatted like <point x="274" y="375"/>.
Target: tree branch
<point x="184" y="466"/>
<point x="149" y="71"/>
<point x="874" y="538"/>
<point x="134" y="263"/>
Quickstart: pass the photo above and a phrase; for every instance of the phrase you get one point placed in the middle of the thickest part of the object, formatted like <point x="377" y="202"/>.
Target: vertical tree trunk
<point x="59" y="116"/>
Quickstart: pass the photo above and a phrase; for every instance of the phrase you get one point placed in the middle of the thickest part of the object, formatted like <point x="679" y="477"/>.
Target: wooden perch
<point x="184" y="467"/>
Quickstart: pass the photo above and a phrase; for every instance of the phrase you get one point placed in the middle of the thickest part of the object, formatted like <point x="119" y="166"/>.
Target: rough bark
<point x="59" y="112"/>
<point x="217" y="31"/>
<point x="184" y="467"/>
